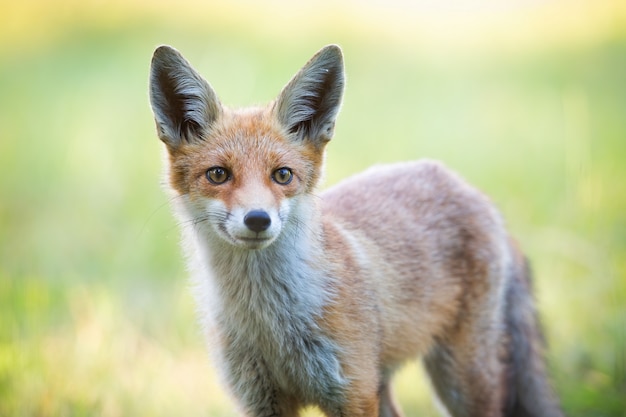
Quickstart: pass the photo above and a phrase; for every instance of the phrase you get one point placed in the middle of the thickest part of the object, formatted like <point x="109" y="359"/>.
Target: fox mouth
<point x="254" y="239"/>
<point x="246" y="242"/>
<point x="256" y="242"/>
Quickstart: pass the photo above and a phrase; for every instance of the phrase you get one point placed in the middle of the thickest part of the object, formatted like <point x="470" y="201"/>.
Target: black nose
<point x="257" y="220"/>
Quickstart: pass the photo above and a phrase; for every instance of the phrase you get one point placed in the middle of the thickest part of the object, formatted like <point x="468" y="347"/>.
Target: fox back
<point x="312" y="298"/>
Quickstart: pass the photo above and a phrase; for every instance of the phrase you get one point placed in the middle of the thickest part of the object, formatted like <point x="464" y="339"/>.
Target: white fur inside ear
<point x="308" y="105"/>
<point x="184" y="104"/>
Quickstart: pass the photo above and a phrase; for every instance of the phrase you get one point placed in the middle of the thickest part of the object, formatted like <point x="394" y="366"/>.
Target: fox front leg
<point x="252" y="386"/>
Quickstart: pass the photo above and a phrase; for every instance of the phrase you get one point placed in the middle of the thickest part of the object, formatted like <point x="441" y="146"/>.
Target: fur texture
<point x="317" y="300"/>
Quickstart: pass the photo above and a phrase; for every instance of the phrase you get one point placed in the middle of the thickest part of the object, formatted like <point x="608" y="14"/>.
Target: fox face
<point x="248" y="197"/>
<point x="242" y="173"/>
<point x="244" y="178"/>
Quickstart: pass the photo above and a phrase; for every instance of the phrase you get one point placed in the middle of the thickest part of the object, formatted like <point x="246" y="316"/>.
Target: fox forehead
<point x="246" y="141"/>
<point x="249" y="133"/>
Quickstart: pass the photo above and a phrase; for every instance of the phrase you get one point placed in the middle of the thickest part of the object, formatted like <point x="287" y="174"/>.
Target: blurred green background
<point x="526" y="99"/>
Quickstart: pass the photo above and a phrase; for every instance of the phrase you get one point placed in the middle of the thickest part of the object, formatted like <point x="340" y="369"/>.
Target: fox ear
<point x="308" y="105"/>
<point x="183" y="103"/>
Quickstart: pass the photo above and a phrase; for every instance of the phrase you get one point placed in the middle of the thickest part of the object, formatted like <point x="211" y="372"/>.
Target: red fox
<point x="316" y="299"/>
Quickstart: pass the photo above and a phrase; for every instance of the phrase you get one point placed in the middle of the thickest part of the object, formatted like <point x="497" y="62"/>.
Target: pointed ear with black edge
<point x="308" y="106"/>
<point x="183" y="103"/>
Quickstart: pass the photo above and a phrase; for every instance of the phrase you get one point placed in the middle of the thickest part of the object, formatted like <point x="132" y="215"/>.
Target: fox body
<point x="316" y="299"/>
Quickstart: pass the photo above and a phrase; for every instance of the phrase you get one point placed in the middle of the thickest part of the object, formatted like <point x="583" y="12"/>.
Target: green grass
<point x="95" y="314"/>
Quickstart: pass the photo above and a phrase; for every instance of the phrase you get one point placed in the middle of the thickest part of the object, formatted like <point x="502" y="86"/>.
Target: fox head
<point x="243" y="174"/>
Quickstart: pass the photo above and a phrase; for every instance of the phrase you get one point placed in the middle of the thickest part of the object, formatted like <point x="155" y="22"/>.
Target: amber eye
<point x="217" y="175"/>
<point x="282" y="176"/>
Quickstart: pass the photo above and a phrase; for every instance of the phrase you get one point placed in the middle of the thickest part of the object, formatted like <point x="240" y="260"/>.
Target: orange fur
<point x="318" y="299"/>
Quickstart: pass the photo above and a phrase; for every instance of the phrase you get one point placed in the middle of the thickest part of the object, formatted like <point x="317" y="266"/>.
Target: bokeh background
<point x="525" y="98"/>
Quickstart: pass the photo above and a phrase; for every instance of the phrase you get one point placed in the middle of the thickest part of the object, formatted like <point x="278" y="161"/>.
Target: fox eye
<point x="282" y="176"/>
<point x="217" y="175"/>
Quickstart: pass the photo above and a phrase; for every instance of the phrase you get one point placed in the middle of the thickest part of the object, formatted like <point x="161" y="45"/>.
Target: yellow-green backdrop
<point x="526" y="99"/>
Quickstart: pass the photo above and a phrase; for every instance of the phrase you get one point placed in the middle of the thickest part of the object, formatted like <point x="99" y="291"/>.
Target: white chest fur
<point x="263" y="307"/>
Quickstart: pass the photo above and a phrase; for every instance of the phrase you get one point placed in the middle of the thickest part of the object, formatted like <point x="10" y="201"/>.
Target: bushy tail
<point x="529" y="392"/>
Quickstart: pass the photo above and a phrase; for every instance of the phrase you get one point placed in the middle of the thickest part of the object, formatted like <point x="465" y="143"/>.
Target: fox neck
<point x="263" y="283"/>
<point x="267" y="303"/>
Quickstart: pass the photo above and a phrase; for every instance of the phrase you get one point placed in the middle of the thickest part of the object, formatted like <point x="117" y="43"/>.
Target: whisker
<point x="154" y="212"/>
<point x="302" y="227"/>
<point x="316" y="195"/>
<point x="217" y="217"/>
